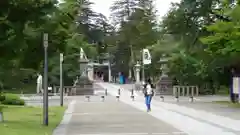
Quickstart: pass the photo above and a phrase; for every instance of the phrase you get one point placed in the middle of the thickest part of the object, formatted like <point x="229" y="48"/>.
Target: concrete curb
<point x="61" y="128"/>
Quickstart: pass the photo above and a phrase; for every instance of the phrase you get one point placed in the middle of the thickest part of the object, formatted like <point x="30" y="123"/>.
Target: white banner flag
<point x="146" y="57"/>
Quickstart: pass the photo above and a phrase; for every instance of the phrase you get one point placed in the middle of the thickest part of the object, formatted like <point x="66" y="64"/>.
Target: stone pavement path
<point x="218" y="109"/>
<point x="189" y="120"/>
<point x="201" y="103"/>
<point x="127" y="117"/>
<point x="114" y="118"/>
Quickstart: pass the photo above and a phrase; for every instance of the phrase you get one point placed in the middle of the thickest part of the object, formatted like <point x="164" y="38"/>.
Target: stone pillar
<point x="138" y="82"/>
<point x="137" y="75"/>
<point x="137" y="72"/>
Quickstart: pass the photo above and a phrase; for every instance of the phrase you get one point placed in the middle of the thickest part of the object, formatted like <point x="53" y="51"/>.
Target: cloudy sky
<point x="102" y="6"/>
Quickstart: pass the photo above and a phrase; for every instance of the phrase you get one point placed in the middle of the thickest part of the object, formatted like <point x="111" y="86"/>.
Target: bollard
<point x="191" y="99"/>
<point x="132" y="96"/>
<point x="117" y="98"/>
<point x="132" y="92"/>
<point x="162" y="98"/>
<point x="106" y="93"/>
<point x="177" y="98"/>
<point x="103" y="98"/>
<point x="119" y="92"/>
<point x="88" y="98"/>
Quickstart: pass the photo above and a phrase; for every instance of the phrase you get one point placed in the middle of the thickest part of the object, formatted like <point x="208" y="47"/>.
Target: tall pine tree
<point x="137" y="29"/>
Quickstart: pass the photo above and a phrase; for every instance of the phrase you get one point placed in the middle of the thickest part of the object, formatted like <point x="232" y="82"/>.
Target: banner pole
<point x="143" y="68"/>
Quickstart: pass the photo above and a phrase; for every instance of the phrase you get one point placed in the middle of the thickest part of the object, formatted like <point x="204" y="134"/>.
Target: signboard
<point x="236" y="85"/>
<point x="146" y="57"/>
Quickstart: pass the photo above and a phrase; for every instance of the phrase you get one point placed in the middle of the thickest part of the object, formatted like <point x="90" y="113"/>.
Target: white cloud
<point x="102" y="6"/>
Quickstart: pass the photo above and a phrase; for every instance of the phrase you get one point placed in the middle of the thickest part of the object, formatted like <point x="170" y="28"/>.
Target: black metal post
<point x="45" y="94"/>
<point x="119" y="92"/>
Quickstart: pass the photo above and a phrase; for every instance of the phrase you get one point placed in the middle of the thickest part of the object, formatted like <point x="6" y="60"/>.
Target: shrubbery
<point x="11" y="99"/>
<point x="2" y="98"/>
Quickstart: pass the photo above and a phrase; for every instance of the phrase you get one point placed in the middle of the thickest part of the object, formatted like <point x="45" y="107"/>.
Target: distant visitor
<point x="39" y="83"/>
<point x="148" y="93"/>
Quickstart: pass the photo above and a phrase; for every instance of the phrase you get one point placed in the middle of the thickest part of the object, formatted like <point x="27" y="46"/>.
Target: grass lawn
<point x="228" y="103"/>
<point x="28" y="120"/>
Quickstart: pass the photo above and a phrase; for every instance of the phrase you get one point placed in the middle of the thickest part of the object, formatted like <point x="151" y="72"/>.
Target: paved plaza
<point x="189" y="120"/>
<point x="109" y="116"/>
<point x="114" y="118"/>
<point x="200" y="103"/>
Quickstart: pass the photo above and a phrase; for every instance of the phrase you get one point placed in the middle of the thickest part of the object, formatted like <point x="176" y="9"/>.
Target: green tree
<point x="137" y="30"/>
<point x="192" y="61"/>
<point x="22" y="24"/>
<point x="21" y="28"/>
<point x="223" y="43"/>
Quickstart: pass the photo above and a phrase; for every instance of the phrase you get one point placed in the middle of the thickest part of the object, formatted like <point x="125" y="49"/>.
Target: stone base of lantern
<point x="164" y="86"/>
<point x="138" y="86"/>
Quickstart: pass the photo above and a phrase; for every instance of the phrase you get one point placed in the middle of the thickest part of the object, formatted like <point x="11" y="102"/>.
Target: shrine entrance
<point x="101" y="73"/>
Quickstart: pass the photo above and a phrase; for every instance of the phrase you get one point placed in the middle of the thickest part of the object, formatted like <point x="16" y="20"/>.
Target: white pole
<point x="143" y="69"/>
<point x="109" y="71"/>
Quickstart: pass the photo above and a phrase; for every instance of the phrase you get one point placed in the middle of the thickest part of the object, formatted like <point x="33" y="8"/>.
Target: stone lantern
<point x="84" y="86"/>
<point x="164" y="85"/>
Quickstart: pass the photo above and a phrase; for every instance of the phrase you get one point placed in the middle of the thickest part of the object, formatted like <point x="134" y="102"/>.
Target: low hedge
<point x="2" y="97"/>
<point x="11" y="99"/>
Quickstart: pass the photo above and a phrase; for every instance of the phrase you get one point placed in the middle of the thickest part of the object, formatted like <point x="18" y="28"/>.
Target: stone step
<point x="85" y="91"/>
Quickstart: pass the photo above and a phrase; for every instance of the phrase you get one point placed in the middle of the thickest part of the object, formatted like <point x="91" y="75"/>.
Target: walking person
<point x="39" y="83"/>
<point x="148" y="93"/>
